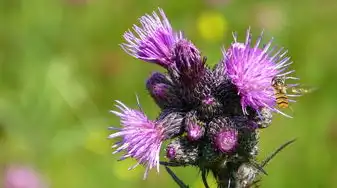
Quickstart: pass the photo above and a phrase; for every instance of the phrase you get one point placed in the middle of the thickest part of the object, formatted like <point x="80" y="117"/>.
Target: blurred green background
<point x="61" y="69"/>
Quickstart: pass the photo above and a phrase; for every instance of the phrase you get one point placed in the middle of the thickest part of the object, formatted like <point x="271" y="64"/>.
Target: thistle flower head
<point x="252" y="69"/>
<point x="210" y="116"/>
<point x="141" y="137"/>
<point x="153" y="41"/>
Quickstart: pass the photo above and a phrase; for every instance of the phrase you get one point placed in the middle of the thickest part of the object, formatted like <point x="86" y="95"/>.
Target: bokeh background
<point x="61" y="68"/>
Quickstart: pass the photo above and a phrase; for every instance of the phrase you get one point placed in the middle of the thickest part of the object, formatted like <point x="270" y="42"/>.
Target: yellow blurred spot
<point x="121" y="171"/>
<point x="210" y="180"/>
<point x="212" y="26"/>
<point x="97" y="143"/>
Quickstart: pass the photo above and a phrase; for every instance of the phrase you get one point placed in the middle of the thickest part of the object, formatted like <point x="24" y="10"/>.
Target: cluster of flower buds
<point x="210" y="115"/>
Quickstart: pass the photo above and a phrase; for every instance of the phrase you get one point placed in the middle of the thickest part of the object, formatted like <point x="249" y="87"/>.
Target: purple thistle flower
<point x="142" y="138"/>
<point x="204" y="111"/>
<point x="153" y="41"/>
<point x="226" y="140"/>
<point x="252" y="70"/>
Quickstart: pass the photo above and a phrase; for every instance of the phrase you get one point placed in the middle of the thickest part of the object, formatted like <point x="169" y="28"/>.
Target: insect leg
<point x="290" y="100"/>
<point x="292" y="85"/>
<point x="293" y="95"/>
<point x="292" y="78"/>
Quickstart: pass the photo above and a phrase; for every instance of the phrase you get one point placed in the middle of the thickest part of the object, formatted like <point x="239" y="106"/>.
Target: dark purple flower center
<point x="194" y="132"/>
<point x="208" y="100"/>
<point x="170" y="153"/>
<point x="226" y="140"/>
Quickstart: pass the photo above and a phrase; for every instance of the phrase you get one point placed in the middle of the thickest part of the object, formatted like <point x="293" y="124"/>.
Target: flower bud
<point x="161" y="89"/>
<point x="182" y="151"/>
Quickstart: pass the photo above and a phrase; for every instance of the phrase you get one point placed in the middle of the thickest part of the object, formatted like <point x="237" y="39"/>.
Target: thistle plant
<point x="210" y="115"/>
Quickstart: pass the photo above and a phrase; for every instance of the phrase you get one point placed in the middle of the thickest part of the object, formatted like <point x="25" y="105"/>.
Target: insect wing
<point x="300" y="90"/>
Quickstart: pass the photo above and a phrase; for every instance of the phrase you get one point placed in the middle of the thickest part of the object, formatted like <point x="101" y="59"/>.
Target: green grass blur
<point x="61" y="69"/>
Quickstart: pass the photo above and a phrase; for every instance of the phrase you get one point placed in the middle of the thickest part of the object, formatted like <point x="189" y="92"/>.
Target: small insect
<point x="280" y="88"/>
<point x="281" y="91"/>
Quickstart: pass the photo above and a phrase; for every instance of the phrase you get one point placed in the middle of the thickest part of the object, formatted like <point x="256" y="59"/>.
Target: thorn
<point x="270" y="157"/>
<point x="176" y="179"/>
<point x="204" y="59"/>
<point x="259" y="167"/>
<point x="138" y="104"/>
<point x="204" y="178"/>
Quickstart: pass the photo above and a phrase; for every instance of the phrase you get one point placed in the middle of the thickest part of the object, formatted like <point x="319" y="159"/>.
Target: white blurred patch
<point x="270" y="16"/>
